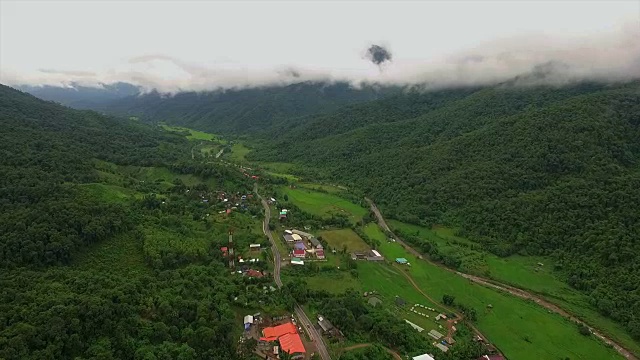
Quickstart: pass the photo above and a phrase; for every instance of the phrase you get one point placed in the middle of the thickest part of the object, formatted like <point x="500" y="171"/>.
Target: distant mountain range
<point x="236" y="111"/>
<point x="82" y="97"/>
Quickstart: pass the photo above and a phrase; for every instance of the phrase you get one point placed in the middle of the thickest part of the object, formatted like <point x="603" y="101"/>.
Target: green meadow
<point x="523" y="272"/>
<point x="344" y="238"/>
<point x="194" y="134"/>
<point x="239" y="152"/>
<point x="324" y="204"/>
<point x="519" y="328"/>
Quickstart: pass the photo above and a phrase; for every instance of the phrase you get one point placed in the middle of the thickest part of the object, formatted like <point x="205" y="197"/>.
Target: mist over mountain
<point x="82" y="97"/>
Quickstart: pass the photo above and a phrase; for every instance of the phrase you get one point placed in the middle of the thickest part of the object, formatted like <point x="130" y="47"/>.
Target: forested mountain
<point x="246" y="110"/>
<point x="105" y="253"/>
<point x="83" y="97"/>
<point x="520" y="170"/>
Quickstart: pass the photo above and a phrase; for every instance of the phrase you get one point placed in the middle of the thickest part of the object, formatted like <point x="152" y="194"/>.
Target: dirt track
<point x="502" y="287"/>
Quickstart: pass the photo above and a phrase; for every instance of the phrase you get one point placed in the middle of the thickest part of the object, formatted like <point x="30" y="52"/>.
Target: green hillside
<point x="107" y="248"/>
<point x="242" y="111"/>
<point x="529" y="171"/>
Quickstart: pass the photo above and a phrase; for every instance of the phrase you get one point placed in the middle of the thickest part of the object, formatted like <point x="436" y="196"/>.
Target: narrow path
<point x="503" y="287"/>
<point x="360" y="346"/>
<point x="304" y="320"/>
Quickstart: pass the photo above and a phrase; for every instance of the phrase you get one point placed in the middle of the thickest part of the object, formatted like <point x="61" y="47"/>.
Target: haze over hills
<point x="82" y="97"/>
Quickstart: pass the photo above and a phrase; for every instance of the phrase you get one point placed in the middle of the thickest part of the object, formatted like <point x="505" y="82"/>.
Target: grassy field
<point x="338" y="239"/>
<point x="239" y="152"/>
<point x="521" y="329"/>
<point x="334" y="282"/>
<point x="331" y="189"/>
<point x="195" y="134"/>
<point x="373" y="231"/>
<point x="524" y="272"/>
<point x="389" y="283"/>
<point x="324" y="204"/>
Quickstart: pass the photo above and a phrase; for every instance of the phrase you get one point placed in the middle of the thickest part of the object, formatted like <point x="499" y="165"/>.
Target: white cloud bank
<point x="613" y="56"/>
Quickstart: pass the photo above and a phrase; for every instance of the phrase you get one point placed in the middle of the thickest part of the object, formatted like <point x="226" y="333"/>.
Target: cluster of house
<point x="246" y="172"/>
<point x="443" y="344"/>
<point x="230" y="202"/>
<point x="371" y="255"/>
<point x="304" y="244"/>
<point x="287" y="336"/>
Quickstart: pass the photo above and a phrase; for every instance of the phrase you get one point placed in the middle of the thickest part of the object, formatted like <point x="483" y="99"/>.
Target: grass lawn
<point x="323" y="204"/>
<point x="338" y="239"/>
<point x="333" y="282"/>
<point x="520" y="271"/>
<point x="373" y="231"/>
<point x="283" y="249"/>
<point x="521" y="329"/>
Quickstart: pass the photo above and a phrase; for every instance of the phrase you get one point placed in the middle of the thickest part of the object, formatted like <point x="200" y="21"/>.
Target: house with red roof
<point x="320" y="254"/>
<point x="254" y="273"/>
<point x="288" y="337"/>
<point x="299" y="253"/>
<point x="491" y="357"/>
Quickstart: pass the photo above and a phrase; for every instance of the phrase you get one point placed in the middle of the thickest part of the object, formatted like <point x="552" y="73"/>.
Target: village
<point x="275" y="334"/>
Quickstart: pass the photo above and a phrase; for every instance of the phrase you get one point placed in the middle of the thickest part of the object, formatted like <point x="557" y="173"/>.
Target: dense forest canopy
<point x="530" y="171"/>
<point x="244" y="111"/>
<point x="105" y="253"/>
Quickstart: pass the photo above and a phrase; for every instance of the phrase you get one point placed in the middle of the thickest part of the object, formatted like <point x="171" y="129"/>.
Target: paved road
<point x="302" y="317"/>
<point x="504" y="287"/>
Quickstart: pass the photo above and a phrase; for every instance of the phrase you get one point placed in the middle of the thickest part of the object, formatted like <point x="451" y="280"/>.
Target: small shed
<point x="401" y="261"/>
<point x="316" y="243"/>
<point x="400" y="301"/>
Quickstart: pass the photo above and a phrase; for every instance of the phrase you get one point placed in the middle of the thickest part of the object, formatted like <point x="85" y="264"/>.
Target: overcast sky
<point x="203" y="45"/>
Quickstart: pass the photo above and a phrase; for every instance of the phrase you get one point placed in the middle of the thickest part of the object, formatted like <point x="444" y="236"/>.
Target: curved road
<point x="503" y="287"/>
<point x="302" y="317"/>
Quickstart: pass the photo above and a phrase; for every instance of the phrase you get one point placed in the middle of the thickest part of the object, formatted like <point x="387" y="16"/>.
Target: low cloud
<point x="529" y="59"/>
